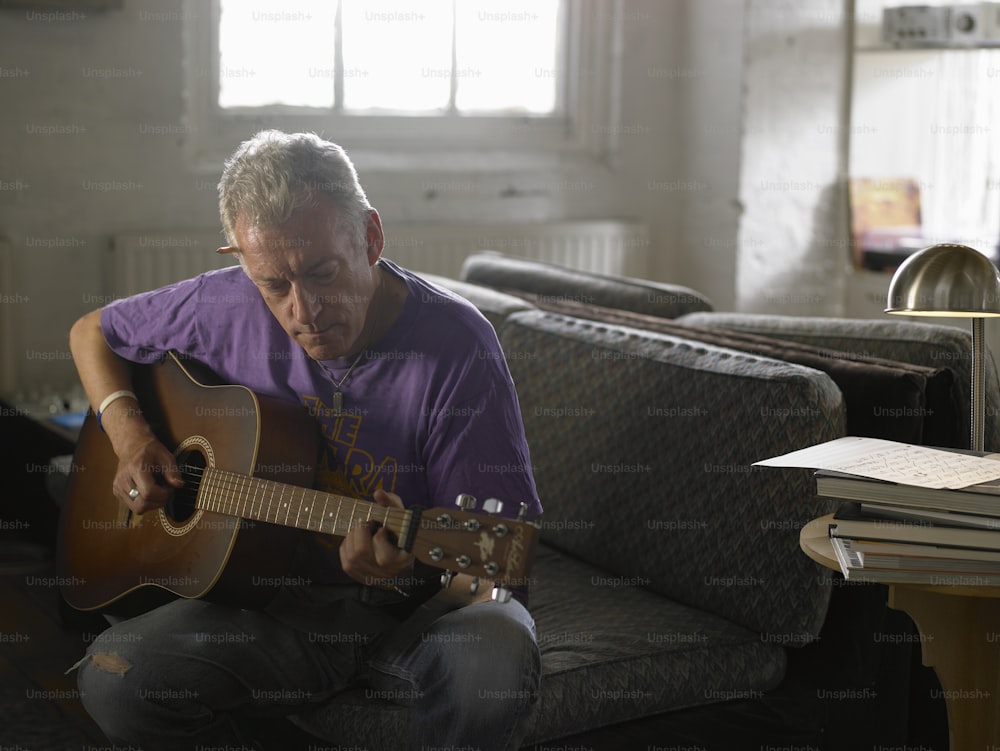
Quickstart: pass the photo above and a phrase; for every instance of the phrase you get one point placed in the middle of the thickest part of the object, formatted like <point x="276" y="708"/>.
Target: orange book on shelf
<point x="885" y="216"/>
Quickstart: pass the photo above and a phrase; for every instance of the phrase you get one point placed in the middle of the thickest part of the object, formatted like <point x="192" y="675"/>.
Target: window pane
<point x="397" y="54"/>
<point x="507" y="55"/>
<point x="273" y="53"/>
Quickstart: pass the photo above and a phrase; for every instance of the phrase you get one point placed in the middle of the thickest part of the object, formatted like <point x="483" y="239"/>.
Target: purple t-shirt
<point x="428" y="412"/>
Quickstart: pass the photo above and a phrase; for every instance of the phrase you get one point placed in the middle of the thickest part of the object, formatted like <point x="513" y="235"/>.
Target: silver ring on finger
<point x="133" y="493"/>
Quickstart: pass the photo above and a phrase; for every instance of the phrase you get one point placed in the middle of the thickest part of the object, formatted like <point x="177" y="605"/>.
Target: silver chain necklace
<point x="338" y="395"/>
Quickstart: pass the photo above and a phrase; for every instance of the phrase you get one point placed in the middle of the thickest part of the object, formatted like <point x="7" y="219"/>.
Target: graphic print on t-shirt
<point x="344" y="467"/>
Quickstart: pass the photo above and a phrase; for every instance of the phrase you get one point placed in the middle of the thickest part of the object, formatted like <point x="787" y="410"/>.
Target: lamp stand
<point x="978" y="379"/>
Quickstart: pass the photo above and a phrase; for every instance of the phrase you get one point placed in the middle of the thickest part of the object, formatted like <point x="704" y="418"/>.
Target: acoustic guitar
<point x="248" y="463"/>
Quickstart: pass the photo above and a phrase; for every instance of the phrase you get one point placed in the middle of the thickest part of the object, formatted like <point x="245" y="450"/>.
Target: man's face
<point x="316" y="283"/>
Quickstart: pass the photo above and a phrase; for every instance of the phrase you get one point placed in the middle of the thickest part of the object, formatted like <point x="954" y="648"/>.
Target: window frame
<point x="584" y="129"/>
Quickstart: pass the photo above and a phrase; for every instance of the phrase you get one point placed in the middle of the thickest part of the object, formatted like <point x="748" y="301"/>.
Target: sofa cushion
<point x="558" y="282"/>
<point x="914" y="342"/>
<point x="884" y="398"/>
<point x="642" y="446"/>
<point x="611" y="651"/>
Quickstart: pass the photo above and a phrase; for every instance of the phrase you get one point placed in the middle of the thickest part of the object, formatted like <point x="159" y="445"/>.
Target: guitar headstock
<point x="479" y="544"/>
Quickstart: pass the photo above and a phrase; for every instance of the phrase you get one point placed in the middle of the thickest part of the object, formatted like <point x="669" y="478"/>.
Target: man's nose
<point x="305" y="304"/>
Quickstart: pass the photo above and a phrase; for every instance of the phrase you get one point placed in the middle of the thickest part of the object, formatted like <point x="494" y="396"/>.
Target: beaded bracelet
<point x="112" y="397"/>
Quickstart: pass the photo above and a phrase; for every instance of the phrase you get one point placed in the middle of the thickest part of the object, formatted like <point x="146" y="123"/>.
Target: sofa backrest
<point x="642" y="445"/>
<point x="888" y="399"/>
<point x="914" y="342"/>
<point x="549" y="280"/>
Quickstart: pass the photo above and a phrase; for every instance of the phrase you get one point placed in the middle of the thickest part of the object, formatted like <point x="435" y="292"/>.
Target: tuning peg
<point x="465" y="501"/>
<point x="472" y="525"/>
<point x="501" y="594"/>
<point x="492" y="505"/>
<point x="522" y="512"/>
<point x="446" y="578"/>
<point x="474" y="586"/>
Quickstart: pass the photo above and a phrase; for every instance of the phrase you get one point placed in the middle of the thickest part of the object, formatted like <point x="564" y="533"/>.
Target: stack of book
<point x="898" y="533"/>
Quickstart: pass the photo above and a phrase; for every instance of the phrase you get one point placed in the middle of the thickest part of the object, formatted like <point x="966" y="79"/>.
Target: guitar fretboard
<point x="235" y="494"/>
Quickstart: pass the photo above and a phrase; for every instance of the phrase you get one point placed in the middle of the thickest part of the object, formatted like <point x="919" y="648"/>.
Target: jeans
<point x="181" y="676"/>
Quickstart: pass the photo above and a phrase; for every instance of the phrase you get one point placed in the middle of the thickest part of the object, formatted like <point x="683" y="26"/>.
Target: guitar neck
<point x="255" y="498"/>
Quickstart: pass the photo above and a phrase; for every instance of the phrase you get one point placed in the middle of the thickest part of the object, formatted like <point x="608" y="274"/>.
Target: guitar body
<point x="111" y="559"/>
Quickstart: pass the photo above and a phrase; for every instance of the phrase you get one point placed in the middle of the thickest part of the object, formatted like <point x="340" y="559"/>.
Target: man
<point x="413" y="398"/>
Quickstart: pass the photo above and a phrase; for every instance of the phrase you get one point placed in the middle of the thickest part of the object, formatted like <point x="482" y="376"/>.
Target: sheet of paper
<point x="896" y="462"/>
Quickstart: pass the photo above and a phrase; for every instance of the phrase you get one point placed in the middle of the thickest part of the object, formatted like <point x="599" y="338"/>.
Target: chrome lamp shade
<point x="953" y="281"/>
<point x="945" y="280"/>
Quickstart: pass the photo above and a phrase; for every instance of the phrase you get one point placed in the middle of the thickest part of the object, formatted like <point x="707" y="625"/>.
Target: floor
<point x="40" y="640"/>
<point x="40" y="706"/>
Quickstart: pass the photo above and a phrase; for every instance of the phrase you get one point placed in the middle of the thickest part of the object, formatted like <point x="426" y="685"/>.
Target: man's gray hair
<point x="274" y="174"/>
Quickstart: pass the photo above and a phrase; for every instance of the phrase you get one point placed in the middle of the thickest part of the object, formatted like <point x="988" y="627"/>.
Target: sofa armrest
<point x="493" y="304"/>
<point x="549" y="280"/>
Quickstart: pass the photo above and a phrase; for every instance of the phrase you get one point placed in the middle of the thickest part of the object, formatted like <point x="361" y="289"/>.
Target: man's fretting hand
<point x="369" y="553"/>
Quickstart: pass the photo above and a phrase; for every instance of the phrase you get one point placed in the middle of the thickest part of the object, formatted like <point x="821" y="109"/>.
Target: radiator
<point x="609" y="247"/>
<point x="148" y="260"/>
<point x="145" y="261"/>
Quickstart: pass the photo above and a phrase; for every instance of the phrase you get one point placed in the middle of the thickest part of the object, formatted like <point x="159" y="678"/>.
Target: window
<point x="464" y="81"/>
<point x="929" y="115"/>
<point x="393" y="56"/>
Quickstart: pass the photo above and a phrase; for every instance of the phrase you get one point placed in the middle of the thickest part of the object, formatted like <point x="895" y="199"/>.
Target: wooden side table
<point x="959" y="636"/>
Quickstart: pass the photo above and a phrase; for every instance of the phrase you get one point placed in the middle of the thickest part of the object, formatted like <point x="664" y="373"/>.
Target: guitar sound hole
<point x="181" y="505"/>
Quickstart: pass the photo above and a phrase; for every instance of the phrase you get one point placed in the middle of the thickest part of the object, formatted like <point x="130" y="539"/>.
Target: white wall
<point x="793" y="236"/>
<point x="92" y="121"/>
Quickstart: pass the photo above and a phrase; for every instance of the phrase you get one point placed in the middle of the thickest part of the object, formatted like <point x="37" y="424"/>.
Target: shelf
<point x="926" y="47"/>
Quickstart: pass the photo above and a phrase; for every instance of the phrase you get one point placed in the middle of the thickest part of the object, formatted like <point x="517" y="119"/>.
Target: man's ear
<point x="232" y="250"/>
<point x="374" y="237"/>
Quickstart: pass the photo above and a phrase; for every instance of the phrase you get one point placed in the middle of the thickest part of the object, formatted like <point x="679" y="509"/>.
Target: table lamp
<point x="952" y="281"/>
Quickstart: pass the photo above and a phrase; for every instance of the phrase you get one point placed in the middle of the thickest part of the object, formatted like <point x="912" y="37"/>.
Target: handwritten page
<point x="896" y="462"/>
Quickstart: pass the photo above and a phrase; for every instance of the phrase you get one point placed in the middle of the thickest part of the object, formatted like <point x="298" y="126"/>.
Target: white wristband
<point x="109" y="399"/>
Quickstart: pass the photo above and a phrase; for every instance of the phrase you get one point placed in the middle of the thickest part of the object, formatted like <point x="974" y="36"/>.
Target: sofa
<point x="673" y="605"/>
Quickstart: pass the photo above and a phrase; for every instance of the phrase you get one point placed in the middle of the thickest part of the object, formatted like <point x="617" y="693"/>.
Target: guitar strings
<point x="233" y="484"/>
